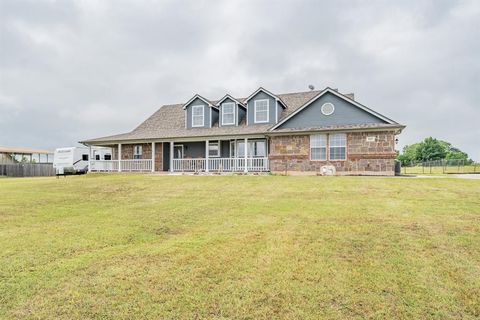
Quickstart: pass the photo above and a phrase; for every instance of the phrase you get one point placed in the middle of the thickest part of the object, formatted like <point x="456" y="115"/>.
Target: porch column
<point x="234" y="152"/>
<point x="153" y="156"/>
<point x="171" y="156"/>
<point x="89" y="158"/>
<point x="119" y="157"/>
<point x="245" y="154"/>
<point x="207" y="142"/>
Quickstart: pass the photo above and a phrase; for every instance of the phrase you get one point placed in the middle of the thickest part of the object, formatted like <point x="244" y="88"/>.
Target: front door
<point x="178" y="152"/>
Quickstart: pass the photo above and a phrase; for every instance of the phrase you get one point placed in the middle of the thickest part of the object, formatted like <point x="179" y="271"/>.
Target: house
<point x="11" y="155"/>
<point x="264" y="132"/>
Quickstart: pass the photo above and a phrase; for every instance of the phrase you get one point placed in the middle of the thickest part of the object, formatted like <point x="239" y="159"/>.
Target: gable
<point x="345" y="113"/>
<point x="272" y="107"/>
<point x="206" y="109"/>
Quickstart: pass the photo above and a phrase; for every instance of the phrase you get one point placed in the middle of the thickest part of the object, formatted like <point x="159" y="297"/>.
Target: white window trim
<point x="255" y="111"/>
<point x="217" y="142"/>
<point x="329" y="147"/>
<point x="327" y="104"/>
<point x="203" y="115"/>
<point x="326" y="147"/>
<point x="233" y="113"/>
<point x="183" y="150"/>
<point x="137" y="147"/>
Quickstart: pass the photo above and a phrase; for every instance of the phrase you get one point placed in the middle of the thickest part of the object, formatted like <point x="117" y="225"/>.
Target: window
<point x="137" y="152"/>
<point x="197" y="116"/>
<point x="261" y="111"/>
<point x="338" y="146"/>
<point x="107" y="157"/>
<point x="84" y="157"/>
<point x="256" y="148"/>
<point x="228" y="113"/>
<point x="232" y="149"/>
<point x="318" y="147"/>
<point x="327" y="108"/>
<point x="213" y="149"/>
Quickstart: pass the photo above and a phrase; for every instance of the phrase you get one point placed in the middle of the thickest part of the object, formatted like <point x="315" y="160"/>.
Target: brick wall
<point x="292" y="154"/>
<point x="127" y="153"/>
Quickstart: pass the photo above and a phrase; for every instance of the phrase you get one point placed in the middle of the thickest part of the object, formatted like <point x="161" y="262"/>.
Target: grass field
<point x="239" y="247"/>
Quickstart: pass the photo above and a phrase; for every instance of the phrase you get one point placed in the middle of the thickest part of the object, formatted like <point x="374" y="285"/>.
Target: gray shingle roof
<point x="169" y="122"/>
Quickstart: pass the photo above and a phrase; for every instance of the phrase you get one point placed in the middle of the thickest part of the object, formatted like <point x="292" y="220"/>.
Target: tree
<point x="409" y="153"/>
<point x="431" y="149"/>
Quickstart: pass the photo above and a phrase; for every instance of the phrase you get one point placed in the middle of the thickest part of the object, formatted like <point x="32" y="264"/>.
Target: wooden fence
<point x="27" y="170"/>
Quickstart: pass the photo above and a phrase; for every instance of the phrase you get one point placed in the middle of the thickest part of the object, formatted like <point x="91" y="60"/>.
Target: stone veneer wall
<point x="127" y="153"/>
<point x="292" y="154"/>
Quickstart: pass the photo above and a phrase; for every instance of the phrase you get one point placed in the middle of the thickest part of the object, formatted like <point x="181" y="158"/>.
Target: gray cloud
<point x="71" y="70"/>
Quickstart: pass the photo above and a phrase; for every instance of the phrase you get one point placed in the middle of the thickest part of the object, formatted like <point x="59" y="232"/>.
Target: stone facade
<point x="127" y="153"/>
<point x="291" y="154"/>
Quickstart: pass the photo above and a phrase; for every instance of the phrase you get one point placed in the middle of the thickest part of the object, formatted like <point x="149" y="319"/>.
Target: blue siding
<point x="279" y="112"/>
<point x="193" y="149"/>
<point x="206" y="110"/>
<point x="345" y="113"/>
<point x="241" y="114"/>
<point x="215" y="116"/>
<point x="251" y="107"/>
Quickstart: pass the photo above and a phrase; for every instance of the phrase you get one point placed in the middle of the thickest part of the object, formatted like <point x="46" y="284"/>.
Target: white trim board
<point x="195" y="97"/>
<point x="266" y="92"/>
<point x="203" y="115"/>
<point x="255" y="111"/>
<point x="228" y="96"/>
<point x="341" y="96"/>
<point x="222" y="113"/>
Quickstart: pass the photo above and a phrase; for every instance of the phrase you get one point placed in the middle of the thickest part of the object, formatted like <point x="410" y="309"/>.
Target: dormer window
<point x="261" y="111"/>
<point x="228" y="113"/>
<point x="198" y="116"/>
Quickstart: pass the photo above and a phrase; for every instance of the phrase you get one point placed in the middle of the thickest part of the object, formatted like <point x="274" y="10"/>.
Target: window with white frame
<point x="198" y="116"/>
<point x="232" y="149"/>
<point x="255" y="148"/>
<point x="213" y="149"/>
<point x="261" y="111"/>
<point x="338" y="146"/>
<point x="137" y="152"/>
<point x="228" y="113"/>
<point x="318" y="147"/>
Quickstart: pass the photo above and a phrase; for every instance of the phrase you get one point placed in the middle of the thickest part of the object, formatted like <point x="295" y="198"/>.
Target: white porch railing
<point x="184" y="165"/>
<point x="138" y="165"/>
<point x="221" y="165"/>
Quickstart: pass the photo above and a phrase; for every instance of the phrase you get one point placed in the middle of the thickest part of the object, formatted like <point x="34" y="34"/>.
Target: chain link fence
<point x="440" y="167"/>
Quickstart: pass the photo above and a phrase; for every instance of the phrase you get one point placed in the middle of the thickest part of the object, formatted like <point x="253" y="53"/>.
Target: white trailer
<point x="75" y="160"/>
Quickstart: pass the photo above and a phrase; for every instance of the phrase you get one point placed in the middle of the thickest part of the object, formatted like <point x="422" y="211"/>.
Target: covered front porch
<point x="210" y="155"/>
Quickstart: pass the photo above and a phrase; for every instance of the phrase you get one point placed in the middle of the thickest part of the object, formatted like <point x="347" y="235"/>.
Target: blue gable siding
<point x="206" y="109"/>
<point x="271" y="105"/>
<point x="215" y="116"/>
<point x="241" y="112"/>
<point x="345" y="113"/>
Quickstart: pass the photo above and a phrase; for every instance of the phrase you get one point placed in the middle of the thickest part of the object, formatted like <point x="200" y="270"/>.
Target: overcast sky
<point x="71" y="70"/>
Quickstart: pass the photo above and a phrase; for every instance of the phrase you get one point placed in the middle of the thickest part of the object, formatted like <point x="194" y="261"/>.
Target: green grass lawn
<point x="239" y="247"/>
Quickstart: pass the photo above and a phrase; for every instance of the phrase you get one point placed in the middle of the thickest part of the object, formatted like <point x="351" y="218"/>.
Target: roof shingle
<point x="169" y="122"/>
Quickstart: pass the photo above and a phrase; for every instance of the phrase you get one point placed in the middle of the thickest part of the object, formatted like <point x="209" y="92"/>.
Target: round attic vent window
<point x="328" y="108"/>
